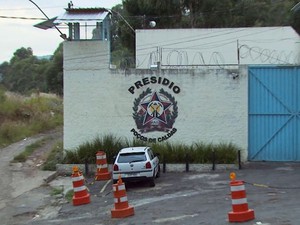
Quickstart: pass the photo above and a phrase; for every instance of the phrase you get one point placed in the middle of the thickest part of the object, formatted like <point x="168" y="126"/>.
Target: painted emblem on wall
<point x="154" y="110"/>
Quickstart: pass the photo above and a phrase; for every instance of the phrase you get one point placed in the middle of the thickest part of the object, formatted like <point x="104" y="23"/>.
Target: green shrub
<point x="20" y="157"/>
<point x="226" y="153"/>
<point x="168" y="152"/>
<point x="55" y="156"/>
<point x="69" y="195"/>
<point x="57" y="191"/>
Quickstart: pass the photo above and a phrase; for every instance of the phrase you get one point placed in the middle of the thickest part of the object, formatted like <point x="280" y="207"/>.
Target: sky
<point x="18" y="33"/>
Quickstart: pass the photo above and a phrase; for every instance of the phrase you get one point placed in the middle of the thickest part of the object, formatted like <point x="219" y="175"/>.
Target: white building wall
<point x="212" y="105"/>
<point x="194" y="48"/>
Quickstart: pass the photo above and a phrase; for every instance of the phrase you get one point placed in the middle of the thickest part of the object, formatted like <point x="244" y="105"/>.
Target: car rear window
<point x="132" y="157"/>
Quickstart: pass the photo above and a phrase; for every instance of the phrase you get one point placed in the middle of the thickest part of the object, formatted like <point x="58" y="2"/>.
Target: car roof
<point x="134" y="149"/>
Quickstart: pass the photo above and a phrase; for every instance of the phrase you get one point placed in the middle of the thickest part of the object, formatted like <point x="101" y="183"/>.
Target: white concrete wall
<point x="218" y="46"/>
<point x="212" y="106"/>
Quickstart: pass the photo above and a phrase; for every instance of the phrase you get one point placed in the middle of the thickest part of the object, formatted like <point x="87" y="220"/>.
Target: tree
<point x="20" y="75"/>
<point x="294" y="16"/>
<point x="3" y="70"/>
<point x="24" y="73"/>
<point x="123" y="39"/>
<point x="21" y="53"/>
<point x="54" y="72"/>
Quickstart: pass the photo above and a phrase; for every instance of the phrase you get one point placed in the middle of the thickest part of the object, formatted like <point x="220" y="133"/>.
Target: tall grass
<point x="22" y="157"/>
<point x="55" y="156"/>
<point x="22" y="116"/>
<point x="87" y="151"/>
<point x="169" y="152"/>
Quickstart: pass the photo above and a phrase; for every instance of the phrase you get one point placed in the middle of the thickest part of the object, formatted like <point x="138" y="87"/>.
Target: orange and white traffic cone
<point x="81" y="195"/>
<point x="122" y="208"/>
<point x="240" y="211"/>
<point x="102" y="172"/>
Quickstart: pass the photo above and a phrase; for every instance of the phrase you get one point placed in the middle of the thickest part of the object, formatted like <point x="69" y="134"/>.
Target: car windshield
<point x="132" y="157"/>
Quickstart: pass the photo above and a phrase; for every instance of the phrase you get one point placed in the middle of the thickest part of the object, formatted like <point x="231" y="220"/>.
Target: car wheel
<point x="158" y="172"/>
<point x="152" y="183"/>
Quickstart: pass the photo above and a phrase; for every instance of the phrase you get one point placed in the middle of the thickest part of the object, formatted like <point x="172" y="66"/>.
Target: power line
<point x="209" y="36"/>
<point x="31" y="8"/>
<point x="21" y="18"/>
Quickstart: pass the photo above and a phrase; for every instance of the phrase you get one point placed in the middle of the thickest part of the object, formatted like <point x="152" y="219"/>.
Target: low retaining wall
<point x="66" y="169"/>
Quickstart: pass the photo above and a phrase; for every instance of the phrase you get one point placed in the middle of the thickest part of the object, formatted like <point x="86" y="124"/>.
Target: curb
<point x="66" y="169"/>
<point x="51" y="177"/>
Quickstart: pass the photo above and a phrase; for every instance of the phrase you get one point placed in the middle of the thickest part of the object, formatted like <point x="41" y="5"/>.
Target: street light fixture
<point x="62" y="35"/>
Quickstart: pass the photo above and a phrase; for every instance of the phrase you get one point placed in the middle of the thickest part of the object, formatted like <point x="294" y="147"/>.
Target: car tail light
<point x="148" y="165"/>
<point x="116" y="167"/>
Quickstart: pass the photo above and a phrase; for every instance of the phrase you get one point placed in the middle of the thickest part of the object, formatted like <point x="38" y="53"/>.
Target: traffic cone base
<point x="81" y="200"/>
<point x="241" y="216"/>
<point x="121" y="213"/>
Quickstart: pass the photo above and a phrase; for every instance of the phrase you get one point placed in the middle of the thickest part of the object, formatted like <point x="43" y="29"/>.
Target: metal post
<point x="86" y="167"/>
<point x="238" y="52"/>
<point x="213" y="160"/>
<point x="164" y="164"/>
<point x="187" y="167"/>
<point x="239" y="159"/>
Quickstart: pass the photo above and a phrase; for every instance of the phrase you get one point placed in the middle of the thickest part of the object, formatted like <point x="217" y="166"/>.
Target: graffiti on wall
<point x="155" y="109"/>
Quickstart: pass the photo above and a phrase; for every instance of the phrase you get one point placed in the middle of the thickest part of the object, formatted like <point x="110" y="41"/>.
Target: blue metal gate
<point x="274" y="113"/>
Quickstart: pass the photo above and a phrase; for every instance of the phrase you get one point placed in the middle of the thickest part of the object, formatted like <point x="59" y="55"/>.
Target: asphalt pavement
<point x="179" y="198"/>
<point x="188" y="199"/>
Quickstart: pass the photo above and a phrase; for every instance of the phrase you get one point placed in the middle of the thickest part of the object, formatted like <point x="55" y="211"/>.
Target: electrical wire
<point x="211" y="45"/>
<point x="22" y="18"/>
<point x="31" y="8"/>
<point x="224" y="32"/>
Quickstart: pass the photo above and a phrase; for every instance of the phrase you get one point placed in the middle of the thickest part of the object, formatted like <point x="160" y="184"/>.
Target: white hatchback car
<point x="135" y="164"/>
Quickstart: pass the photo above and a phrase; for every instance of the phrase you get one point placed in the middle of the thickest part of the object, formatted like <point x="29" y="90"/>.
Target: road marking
<point x="104" y="187"/>
<point x="201" y="176"/>
<point x="164" y="197"/>
<point x="174" y="218"/>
